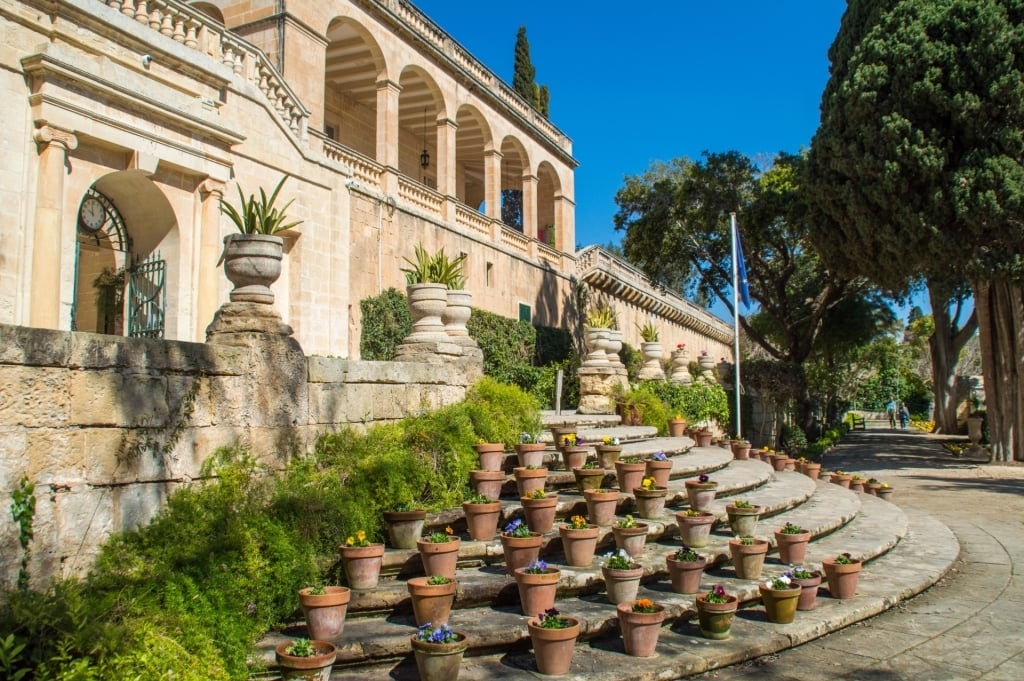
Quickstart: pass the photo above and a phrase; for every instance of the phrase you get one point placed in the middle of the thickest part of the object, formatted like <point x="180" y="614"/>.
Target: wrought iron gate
<point x="147" y="297"/>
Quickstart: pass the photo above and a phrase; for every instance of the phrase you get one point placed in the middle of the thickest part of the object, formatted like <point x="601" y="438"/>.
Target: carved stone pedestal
<point x="234" y="321"/>
<point x="597" y="389"/>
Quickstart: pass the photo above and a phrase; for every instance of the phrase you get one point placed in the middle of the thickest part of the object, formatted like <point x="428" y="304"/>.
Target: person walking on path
<point x="890" y="411"/>
<point x="904" y="416"/>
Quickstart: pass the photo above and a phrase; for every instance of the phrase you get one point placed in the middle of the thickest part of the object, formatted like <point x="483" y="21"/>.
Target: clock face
<point x="92" y="214"/>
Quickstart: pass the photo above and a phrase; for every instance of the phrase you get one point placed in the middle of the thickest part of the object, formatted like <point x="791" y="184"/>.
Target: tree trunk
<point x="1000" y="308"/>
<point x="945" y="343"/>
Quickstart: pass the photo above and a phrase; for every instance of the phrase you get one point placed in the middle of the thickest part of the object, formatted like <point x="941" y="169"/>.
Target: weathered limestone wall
<point x="106" y="427"/>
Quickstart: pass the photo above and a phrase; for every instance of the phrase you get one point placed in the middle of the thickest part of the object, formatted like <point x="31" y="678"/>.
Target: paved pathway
<point x="968" y="626"/>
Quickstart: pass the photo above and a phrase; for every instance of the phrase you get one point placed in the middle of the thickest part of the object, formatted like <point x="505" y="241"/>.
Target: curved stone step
<point x="499" y="645"/>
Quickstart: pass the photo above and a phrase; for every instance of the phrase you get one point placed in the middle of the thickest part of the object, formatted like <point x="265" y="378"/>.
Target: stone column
<point x="446" y="179"/>
<point x="54" y="145"/>
<point x="387" y="132"/>
<point x="530" y="205"/>
<point x="492" y="183"/>
<point x="208" y="282"/>
<point x="565" y="226"/>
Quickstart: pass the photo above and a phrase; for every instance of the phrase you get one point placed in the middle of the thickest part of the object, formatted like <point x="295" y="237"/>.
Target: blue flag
<point x="741" y="271"/>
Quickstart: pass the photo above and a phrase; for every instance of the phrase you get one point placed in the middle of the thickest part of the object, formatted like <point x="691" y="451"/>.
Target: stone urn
<point x="252" y="262"/>
<point x="427" y="302"/>
<point x="597" y="340"/>
<point x="651" y="370"/>
<point x="614" y="346"/>
<point x="457" y="311"/>
<point x="680" y="367"/>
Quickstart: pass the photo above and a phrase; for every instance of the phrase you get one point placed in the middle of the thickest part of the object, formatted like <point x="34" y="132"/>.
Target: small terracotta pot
<point x="439" y="558"/>
<point x="601" y="505"/>
<point x="362" y="565"/>
<point x="661" y="471"/>
<point x="607" y="455"/>
<point x="574" y="457"/>
<point x="520" y="551"/>
<point x="748" y="559"/>
<point x="790" y="464"/>
<point x="622" y="585"/>
<point x="589" y="478"/>
<point x="841" y="480"/>
<point x="741" y="450"/>
<point x="404" y="527"/>
<point x="650" y="503"/>
<point x="540" y="513"/>
<point x="300" y="668"/>
<point x="531" y="454"/>
<point x="716" y="618"/>
<point x="529" y="480"/>
<point x="857" y="485"/>
<point x="884" y="493"/>
<point x="700" y="494"/>
<point x="812" y="470"/>
<point x="808" y="591"/>
<point x="703" y="438"/>
<point x="792" y="547"/>
<point x="872" y="487"/>
<point x="431" y="602"/>
<point x="325" y="613"/>
<point x="778" y="461"/>
<point x="629" y="475"/>
<point x="537" y="591"/>
<point x="492" y="455"/>
<point x="695" y="531"/>
<point x="743" y="521"/>
<point x="780" y="604"/>
<point x="631" y="539"/>
<point x="842" y="579"/>
<point x="439" y="661"/>
<point x="685" y="576"/>
<point x="482" y="519"/>
<point x="553" y="648"/>
<point x="676" y="427"/>
<point x="579" y="546"/>
<point x="488" y="483"/>
<point x="640" y="630"/>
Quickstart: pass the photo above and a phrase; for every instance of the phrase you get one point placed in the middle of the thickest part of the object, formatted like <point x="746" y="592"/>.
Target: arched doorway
<point x="120" y="283"/>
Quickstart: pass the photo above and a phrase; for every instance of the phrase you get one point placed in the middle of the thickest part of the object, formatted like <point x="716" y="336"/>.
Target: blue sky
<point x="663" y="80"/>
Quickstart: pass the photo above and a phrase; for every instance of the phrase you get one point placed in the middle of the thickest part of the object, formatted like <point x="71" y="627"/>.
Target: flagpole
<point x="736" y="324"/>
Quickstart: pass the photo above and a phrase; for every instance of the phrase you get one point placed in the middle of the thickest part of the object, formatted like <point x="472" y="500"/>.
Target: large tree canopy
<point x="917" y="166"/>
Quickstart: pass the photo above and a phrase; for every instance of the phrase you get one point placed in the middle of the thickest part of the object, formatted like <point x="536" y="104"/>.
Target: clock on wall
<point x="92" y="214"/>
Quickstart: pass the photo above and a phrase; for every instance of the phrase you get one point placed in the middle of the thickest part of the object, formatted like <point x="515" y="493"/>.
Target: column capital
<point x="388" y="84"/>
<point x="211" y="186"/>
<point x="44" y="135"/>
<point x="493" y="153"/>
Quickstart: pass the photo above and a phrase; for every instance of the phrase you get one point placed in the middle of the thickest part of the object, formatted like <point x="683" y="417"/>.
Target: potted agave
<point x="781" y="597"/>
<point x="538" y="585"/>
<point x="432" y="598"/>
<point x="305" y="660"/>
<point x="438" y="652"/>
<point x="482" y="514"/>
<point x="554" y="639"/>
<point x="520" y="545"/>
<point x="701" y="492"/>
<point x="792" y="541"/>
<point x="439" y="552"/>
<point x="252" y="258"/>
<point x="362" y="560"/>
<point x="640" y="622"/>
<point x="695" y="526"/>
<point x="715" y="610"/>
<point x="427" y="279"/>
<point x="685" y="568"/>
<point x="621" y="577"/>
<point x="842" y="573"/>
<point x="659" y="467"/>
<point x="630" y="536"/>
<point x="743" y="517"/>
<point x="579" y="541"/>
<point x="324" y="608"/>
<point x="748" y="556"/>
<point x="650" y="499"/>
<point x="808" y="581"/>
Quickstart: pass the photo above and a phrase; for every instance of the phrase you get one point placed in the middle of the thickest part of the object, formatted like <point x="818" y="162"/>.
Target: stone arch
<point x="354" y="65"/>
<point x="420" y="106"/>
<point x="472" y="138"/>
<point x="209" y="9"/>
<point x="514" y="163"/>
<point x="548" y="187"/>
<point x="122" y="279"/>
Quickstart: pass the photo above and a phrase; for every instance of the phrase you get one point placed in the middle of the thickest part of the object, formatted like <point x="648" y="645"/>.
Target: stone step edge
<point x="924" y="556"/>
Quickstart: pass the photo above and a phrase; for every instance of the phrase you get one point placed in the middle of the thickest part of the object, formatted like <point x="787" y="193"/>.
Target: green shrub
<point x="633" y="360"/>
<point x="792" y="439"/>
<point x="500" y="412"/>
<point x="385" y="324"/>
<point x="508" y="346"/>
<point x="642" y="407"/>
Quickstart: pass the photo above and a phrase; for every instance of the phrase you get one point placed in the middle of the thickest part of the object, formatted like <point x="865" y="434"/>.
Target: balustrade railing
<point x="474" y="220"/>
<point x="419" y="195"/>
<point x="190" y="27"/>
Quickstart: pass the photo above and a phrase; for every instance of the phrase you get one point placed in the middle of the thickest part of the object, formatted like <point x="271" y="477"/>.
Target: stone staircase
<point x="904" y="553"/>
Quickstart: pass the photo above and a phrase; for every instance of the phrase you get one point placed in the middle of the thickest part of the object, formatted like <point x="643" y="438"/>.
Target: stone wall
<point x="106" y="427"/>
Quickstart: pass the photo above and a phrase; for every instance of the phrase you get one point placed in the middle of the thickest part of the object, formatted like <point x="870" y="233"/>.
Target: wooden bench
<point x="859" y="423"/>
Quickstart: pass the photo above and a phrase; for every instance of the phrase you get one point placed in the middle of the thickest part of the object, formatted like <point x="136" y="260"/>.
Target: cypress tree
<point x="524" y="73"/>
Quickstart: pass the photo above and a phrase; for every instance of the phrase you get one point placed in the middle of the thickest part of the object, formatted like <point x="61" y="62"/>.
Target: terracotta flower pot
<point x="695" y="530"/>
<point x="700" y="494"/>
<point x="325" y="613"/>
<point x="608" y="455"/>
<point x="579" y="546"/>
<point x="685" y="576"/>
<point x="808" y="591"/>
<point x="529" y="480"/>
<point x="431" y="602"/>
<point x="790" y="464"/>
<point x="439" y="558"/>
<point x="812" y="470"/>
<point x="703" y="438"/>
<point x="520" y="551"/>
<point x="589" y="478"/>
<point x="872" y="487"/>
<point x="842" y="579"/>
<point x="640" y="630"/>
<point x="404" y="527"/>
<point x="780" y="604"/>
<point x="778" y="461"/>
<point x="740" y="450"/>
<point x="857" y="485"/>
<point x="601" y="505"/>
<point x="313" y="668"/>
<point x="622" y="585"/>
<point x="843" y="480"/>
<point x="748" y="559"/>
<point x="553" y="648"/>
<point x="629" y="475"/>
<point x="716" y="618"/>
<point x="631" y="539"/>
<point x="743" y="521"/>
<point x="482" y="519"/>
<point x="558" y="432"/>
<point x="492" y="455"/>
<point x="574" y="457"/>
<point x="362" y="565"/>
<point x="537" y="591"/>
<point x="487" y="483"/>
<point x="650" y="503"/>
<point x="792" y="547"/>
<point x="540" y="513"/>
<point x="531" y="454"/>
<point x="661" y="471"/>
<point x="439" y="661"/>
<point x="884" y="493"/>
<point x="676" y="427"/>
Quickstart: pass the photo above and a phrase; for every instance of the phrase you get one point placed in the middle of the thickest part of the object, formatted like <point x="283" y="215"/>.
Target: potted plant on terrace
<point x="659" y="467"/>
<point x="539" y="508"/>
<point x="695" y="526"/>
<point x="748" y="556"/>
<point x="538" y="585"/>
<point x="530" y="450"/>
<point x="427" y="291"/>
<point x="701" y="492"/>
<point x="743" y="517"/>
<point x="630" y="472"/>
<point x="808" y="581"/>
<point x="651" y="351"/>
<point x="685" y="568"/>
<point x="621" y="577"/>
<point x="554" y="640"/>
<point x="640" y="622"/>
<point x="715" y="610"/>
<point x="740" y="448"/>
<point x="792" y="541"/>
<point x="324" y="609"/>
<point x="438" y="651"/>
<point x="439" y="552"/>
<point x="630" y="536"/>
<point x="305" y="660"/>
<point x="252" y="258"/>
<point x="579" y="541"/>
<point x="362" y="560"/>
<point x="492" y="455"/>
<point x="520" y="545"/>
<point x="589" y="476"/>
<point x="608" y="451"/>
<point x="574" y="452"/>
<point x="677" y="426"/>
<point x="530" y="479"/>
<point x="601" y="505"/>
<point x="405" y="525"/>
<point x="482" y="515"/>
<point x="780" y="597"/>
<point x="432" y="598"/>
<point x="842" y="572"/>
<point x="650" y="499"/>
